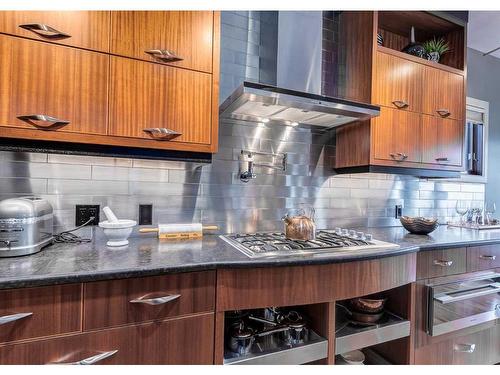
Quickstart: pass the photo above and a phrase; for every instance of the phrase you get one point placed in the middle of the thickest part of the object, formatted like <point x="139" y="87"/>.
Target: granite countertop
<point x="146" y="255"/>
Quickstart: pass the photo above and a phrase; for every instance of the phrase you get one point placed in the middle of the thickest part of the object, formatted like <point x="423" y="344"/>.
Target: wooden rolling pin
<point x="179" y="231"/>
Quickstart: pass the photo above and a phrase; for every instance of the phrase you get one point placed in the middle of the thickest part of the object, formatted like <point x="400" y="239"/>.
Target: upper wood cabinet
<point x="67" y="87"/>
<point x="83" y="29"/>
<point x="396" y="136"/>
<point x="443" y="93"/>
<point x="179" y="38"/>
<point x="442" y="140"/>
<point x="145" y="96"/>
<point x="397" y="83"/>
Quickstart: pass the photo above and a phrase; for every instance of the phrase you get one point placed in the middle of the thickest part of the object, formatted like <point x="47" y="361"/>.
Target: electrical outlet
<point x="398" y="212"/>
<point x="84" y="212"/>
<point x="145" y="214"/>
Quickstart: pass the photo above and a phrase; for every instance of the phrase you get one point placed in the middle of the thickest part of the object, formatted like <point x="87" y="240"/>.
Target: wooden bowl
<point x="419" y="225"/>
<point x="368" y="305"/>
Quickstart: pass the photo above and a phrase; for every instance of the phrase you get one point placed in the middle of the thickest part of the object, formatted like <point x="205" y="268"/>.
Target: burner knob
<point x="368" y="237"/>
<point x="360" y="235"/>
<point x="345" y="232"/>
<point x="352" y="233"/>
<point x="338" y="230"/>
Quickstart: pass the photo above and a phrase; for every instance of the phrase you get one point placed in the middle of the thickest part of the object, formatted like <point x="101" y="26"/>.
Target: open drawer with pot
<point x="456" y="304"/>
<point x="273" y="335"/>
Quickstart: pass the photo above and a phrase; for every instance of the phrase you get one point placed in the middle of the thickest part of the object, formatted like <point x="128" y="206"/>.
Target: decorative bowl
<point x="419" y="225"/>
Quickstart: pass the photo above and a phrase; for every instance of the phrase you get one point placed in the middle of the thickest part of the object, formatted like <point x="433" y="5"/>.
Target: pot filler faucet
<point x="247" y="163"/>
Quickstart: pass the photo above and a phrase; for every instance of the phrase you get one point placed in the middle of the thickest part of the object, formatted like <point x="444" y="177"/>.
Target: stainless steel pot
<point x="242" y="338"/>
<point x="297" y="331"/>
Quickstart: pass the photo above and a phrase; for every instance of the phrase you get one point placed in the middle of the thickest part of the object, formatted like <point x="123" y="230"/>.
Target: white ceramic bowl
<point x="118" y="233"/>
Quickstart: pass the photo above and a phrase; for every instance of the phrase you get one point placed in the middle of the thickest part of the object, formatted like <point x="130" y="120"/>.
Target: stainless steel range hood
<point x="294" y="98"/>
<point x="257" y="102"/>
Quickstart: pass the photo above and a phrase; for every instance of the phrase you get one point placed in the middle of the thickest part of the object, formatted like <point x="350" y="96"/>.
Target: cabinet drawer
<point x="186" y="35"/>
<point x="145" y="96"/>
<point x="483" y="257"/>
<point x="116" y="302"/>
<point x="67" y="84"/>
<point x="443" y="93"/>
<point x="37" y="312"/>
<point x="436" y="263"/>
<point x="479" y="348"/>
<point x="397" y="83"/>
<point x="82" y="29"/>
<point x="178" y="341"/>
<point x="396" y="136"/>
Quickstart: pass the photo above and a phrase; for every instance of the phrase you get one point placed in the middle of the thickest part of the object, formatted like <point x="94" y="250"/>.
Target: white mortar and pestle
<point x="116" y="230"/>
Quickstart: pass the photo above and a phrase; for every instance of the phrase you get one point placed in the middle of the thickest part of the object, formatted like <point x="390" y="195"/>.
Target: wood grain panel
<point x="145" y="95"/>
<point x="283" y="286"/>
<point x="59" y="81"/>
<point x="352" y="145"/>
<point x="397" y="79"/>
<point x="427" y="267"/>
<point x="396" y="131"/>
<point x="55" y="309"/>
<point x="392" y="40"/>
<point x="442" y="139"/>
<point x="197" y="294"/>
<point x="483" y="257"/>
<point x="188" y="34"/>
<point x="443" y="91"/>
<point x="179" y="341"/>
<point x="87" y="29"/>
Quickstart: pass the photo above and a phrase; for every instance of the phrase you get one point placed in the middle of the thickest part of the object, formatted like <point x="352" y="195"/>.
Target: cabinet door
<point x="67" y="85"/>
<point x="184" y="36"/>
<point x="437" y="263"/>
<point x="396" y="136"/>
<point x="397" y="83"/>
<point x="77" y="28"/>
<point x="442" y="141"/>
<point x="181" y="341"/>
<point x="443" y="93"/>
<point x="145" y="96"/>
<point x="483" y="257"/>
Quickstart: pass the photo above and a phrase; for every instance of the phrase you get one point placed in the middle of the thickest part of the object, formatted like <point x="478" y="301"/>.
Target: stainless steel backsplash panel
<point x="185" y="192"/>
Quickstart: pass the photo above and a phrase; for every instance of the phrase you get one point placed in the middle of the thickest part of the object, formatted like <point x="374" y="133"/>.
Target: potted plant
<point x="435" y="48"/>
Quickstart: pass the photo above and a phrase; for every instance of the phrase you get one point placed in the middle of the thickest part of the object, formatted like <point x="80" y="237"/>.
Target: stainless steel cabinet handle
<point x="443" y="112"/>
<point x="399" y="156"/>
<point x="162" y="134"/>
<point x="488" y="257"/>
<point x="49" y="121"/>
<point x="163" y="54"/>
<point x="157" y="300"/>
<point x="400" y="103"/>
<point x="12" y="318"/>
<point x="443" y="263"/>
<point x="45" y="31"/>
<point x="442" y="159"/>
<point x="90" y="360"/>
<point x="464" y="348"/>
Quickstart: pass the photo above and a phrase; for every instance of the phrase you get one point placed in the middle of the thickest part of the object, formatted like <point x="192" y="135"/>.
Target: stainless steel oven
<point x="457" y="304"/>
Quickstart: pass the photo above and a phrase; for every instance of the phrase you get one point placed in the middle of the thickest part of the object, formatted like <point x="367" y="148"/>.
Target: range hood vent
<point x="258" y="102"/>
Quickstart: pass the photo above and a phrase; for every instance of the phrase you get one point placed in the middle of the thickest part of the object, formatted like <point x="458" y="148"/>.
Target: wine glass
<point x="489" y="209"/>
<point x="462" y="207"/>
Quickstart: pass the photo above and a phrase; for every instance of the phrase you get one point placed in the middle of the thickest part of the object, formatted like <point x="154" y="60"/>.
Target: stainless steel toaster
<point x="26" y="225"/>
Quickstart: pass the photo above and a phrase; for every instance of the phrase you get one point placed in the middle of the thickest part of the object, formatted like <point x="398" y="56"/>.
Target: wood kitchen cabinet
<point x="442" y="141"/>
<point x="187" y="36"/>
<point x="67" y="84"/>
<point x="396" y="136"/>
<point x="102" y="88"/>
<point x="419" y="130"/>
<point x="145" y="95"/>
<point x="83" y="29"/>
<point x="183" y="341"/>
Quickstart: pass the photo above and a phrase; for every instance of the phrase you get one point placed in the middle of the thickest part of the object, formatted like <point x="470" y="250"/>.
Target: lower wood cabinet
<point x="479" y="348"/>
<point x="187" y="340"/>
<point x="436" y="263"/>
<point x="483" y="257"/>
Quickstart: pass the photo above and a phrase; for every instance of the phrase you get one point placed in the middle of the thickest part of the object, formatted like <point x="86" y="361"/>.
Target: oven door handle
<point x="476" y="292"/>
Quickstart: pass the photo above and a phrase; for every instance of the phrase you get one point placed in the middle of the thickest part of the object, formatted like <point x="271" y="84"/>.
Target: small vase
<point x="433" y="56"/>
<point x="414" y="48"/>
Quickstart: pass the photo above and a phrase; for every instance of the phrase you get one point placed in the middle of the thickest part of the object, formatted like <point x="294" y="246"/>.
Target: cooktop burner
<point x="277" y="245"/>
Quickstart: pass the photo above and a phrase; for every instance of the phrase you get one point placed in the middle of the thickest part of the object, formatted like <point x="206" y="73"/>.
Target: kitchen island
<point x="74" y="301"/>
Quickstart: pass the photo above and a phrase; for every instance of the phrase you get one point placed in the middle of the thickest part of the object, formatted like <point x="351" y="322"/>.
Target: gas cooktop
<point x="258" y="245"/>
